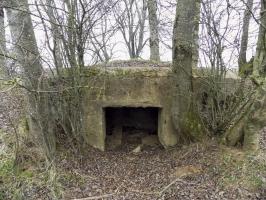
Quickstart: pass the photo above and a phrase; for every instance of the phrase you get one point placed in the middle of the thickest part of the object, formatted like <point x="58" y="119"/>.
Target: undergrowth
<point x="236" y="168"/>
<point x="25" y="175"/>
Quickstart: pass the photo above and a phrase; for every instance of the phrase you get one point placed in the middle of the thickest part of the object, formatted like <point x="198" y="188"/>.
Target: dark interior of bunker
<point x="130" y="126"/>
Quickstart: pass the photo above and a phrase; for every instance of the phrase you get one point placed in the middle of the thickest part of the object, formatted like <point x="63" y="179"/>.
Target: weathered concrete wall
<point x="134" y="86"/>
<point x="127" y="87"/>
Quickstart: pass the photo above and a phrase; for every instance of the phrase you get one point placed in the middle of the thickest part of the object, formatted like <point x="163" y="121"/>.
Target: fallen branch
<point x="8" y="89"/>
<point x="144" y="192"/>
<point x="97" y="197"/>
<point x="168" y="186"/>
<point x="100" y="196"/>
<point x="161" y="192"/>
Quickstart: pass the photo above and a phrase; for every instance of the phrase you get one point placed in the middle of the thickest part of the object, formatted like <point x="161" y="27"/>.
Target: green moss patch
<point x="193" y="127"/>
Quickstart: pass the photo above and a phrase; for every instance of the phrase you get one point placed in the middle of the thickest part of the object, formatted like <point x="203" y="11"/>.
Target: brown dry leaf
<point x="187" y="170"/>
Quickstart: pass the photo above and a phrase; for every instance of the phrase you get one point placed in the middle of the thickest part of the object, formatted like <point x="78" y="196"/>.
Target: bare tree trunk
<point x="245" y="32"/>
<point x="2" y="39"/>
<point x="51" y="8"/>
<point x="100" y="45"/>
<point x="27" y="54"/>
<point x="131" y="23"/>
<point x="142" y="19"/>
<point x="23" y="37"/>
<point x="186" y="23"/>
<point x="154" y="32"/>
<point x="259" y="64"/>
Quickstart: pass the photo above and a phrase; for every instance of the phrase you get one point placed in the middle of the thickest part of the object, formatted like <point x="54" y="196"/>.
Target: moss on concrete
<point x="194" y="127"/>
<point x="138" y="84"/>
<point x="126" y="87"/>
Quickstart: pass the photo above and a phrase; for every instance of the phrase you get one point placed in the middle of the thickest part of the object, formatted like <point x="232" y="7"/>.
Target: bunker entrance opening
<point x="131" y="126"/>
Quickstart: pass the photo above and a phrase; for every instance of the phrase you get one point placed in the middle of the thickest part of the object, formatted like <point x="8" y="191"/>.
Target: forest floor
<point x="198" y="171"/>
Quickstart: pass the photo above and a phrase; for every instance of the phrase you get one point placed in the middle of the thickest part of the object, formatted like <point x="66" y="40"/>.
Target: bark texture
<point x="2" y="38"/>
<point x="27" y="54"/>
<point x="259" y="64"/>
<point x="23" y="37"/>
<point x="154" y="31"/>
<point x="185" y="118"/>
<point x="257" y="118"/>
<point x="245" y="33"/>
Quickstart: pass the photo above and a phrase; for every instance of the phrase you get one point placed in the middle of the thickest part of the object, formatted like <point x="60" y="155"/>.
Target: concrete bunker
<point x="140" y="93"/>
<point x="113" y="91"/>
<point x="131" y="126"/>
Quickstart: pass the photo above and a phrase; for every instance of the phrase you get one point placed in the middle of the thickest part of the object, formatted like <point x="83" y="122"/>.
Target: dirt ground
<point x="197" y="171"/>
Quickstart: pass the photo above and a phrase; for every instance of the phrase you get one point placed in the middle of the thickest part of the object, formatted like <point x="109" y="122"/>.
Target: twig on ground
<point x="8" y="89"/>
<point x="97" y="197"/>
<point x="172" y="183"/>
<point x="161" y="192"/>
<point x="158" y="193"/>
<point x="144" y="192"/>
<point x="100" y="196"/>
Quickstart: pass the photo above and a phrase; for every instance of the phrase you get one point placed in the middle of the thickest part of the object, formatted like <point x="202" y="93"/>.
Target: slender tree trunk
<point x="186" y="23"/>
<point x="2" y="39"/>
<point x="132" y="25"/>
<point x="23" y="37"/>
<point x="154" y="31"/>
<point x="245" y="32"/>
<point x="259" y="64"/>
<point x="27" y="54"/>
<point x="142" y="19"/>
<point x="51" y="8"/>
